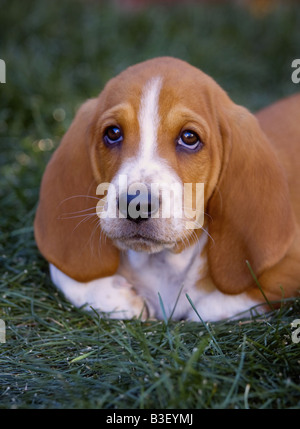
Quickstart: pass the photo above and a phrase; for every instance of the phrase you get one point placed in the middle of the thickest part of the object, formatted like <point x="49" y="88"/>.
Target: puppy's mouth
<point x="141" y="243"/>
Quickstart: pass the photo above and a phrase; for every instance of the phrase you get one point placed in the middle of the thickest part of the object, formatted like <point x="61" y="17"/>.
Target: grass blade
<point x="215" y="343"/>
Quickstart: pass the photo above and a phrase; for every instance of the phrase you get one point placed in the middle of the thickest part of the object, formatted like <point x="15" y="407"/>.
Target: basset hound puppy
<point x="164" y="122"/>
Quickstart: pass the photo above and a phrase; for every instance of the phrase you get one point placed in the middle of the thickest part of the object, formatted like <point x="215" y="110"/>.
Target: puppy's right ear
<point x="67" y="228"/>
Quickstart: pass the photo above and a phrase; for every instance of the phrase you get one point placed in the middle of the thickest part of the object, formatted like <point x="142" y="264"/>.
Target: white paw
<point x="119" y="300"/>
<point x="112" y="295"/>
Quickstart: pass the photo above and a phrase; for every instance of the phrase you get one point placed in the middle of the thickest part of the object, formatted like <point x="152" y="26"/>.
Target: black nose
<point x="138" y="207"/>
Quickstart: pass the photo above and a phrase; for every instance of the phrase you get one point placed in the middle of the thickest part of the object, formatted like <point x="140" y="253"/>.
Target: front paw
<point x="128" y="304"/>
<point x="112" y="295"/>
<point x="115" y="297"/>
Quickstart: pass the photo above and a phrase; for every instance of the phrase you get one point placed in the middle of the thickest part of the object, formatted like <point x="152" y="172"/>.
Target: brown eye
<point x="190" y="140"/>
<point x="113" y="135"/>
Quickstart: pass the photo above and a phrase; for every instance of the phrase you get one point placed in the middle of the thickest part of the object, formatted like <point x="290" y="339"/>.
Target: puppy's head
<point x="152" y="142"/>
<point x="128" y="168"/>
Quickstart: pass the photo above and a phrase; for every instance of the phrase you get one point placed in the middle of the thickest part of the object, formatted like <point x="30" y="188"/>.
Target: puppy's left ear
<point x="251" y="214"/>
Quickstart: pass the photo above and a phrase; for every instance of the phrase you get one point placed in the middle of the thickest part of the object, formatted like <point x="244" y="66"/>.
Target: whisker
<point x="185" y="240"/>
<point x="195" y="238"/>
<point x="197" y="211"/>
<point x="208" y="215"/>
<point x="63" y="217"/>
<point x="95" y="228"/>
<point x="101" y="236"/>
<point x="81" y="211"/>
<point x="96" y="213"/>
<point x="208" y="234"/>
<point x="82" y="221"/>
<point x="78" y="196"/>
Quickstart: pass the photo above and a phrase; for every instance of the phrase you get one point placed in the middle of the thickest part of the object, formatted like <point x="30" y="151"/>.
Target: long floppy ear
<point x="66" y="225"/>
<point x="252" y="219"/>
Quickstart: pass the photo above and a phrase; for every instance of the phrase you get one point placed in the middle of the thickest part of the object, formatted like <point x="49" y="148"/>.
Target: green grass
<point x="58" y="54"/>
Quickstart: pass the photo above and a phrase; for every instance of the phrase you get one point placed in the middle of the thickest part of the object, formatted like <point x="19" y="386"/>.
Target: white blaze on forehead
<point x="149" y="118"/>
<point x="147" y="166"/>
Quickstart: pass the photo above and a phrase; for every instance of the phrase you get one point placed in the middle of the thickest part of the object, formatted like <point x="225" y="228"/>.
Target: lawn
<point x="57" y="54"/>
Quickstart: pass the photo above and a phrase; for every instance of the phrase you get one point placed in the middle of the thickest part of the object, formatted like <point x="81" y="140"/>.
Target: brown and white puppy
<point x="164" y="121"/>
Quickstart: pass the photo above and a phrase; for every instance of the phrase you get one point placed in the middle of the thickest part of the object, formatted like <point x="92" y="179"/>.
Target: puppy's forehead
<point x="179" y="83"/>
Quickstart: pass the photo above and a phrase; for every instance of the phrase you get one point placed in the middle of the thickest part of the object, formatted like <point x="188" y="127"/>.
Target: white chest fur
<point x="168" y="275"/>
